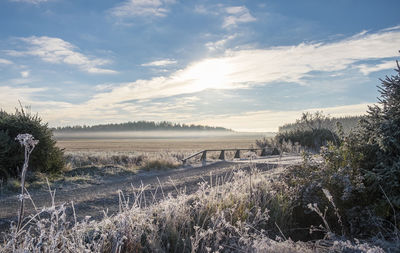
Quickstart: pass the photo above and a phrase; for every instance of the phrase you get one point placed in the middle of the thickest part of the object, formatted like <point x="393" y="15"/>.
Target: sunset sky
<point x="245" y="65"/>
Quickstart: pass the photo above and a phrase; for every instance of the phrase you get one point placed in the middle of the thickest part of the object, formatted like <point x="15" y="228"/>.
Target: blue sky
<point x="245" y="65"/>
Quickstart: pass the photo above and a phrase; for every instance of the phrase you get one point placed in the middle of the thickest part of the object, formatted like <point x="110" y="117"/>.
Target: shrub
<point x="270" y="145"/>
<point x="312" y="139"/>
<point x="309" y="132"/>
<point x="309" y="182"/>
<point x="47" y="157"/>
<point x="361" y="172"/>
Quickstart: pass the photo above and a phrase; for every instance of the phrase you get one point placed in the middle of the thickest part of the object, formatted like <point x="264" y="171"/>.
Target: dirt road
<point x="92" y="200"/>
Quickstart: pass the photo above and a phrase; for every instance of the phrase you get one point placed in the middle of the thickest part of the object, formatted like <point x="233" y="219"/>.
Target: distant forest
<point x="139" y="126"/>
<point x="348" y="123"/>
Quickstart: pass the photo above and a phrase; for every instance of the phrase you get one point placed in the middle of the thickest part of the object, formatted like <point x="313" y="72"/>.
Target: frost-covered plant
<point x="276" y="146"/>
<point x="325" y="186"/>
<point x="333" y="183"/>
<point x="29" y="143"/>
<point x="128" y="160"/>
<point x="366" y="164"/>
<point x="310" y="132"/>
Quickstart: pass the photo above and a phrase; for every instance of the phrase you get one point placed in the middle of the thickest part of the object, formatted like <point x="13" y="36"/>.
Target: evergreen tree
<point x="381" y="134"/>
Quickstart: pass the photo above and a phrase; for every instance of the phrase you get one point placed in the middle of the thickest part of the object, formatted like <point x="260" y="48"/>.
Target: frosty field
<point x="156" y="143"/>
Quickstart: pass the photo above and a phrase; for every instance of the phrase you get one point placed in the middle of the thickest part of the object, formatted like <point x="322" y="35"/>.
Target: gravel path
<point x="92" y="200"/>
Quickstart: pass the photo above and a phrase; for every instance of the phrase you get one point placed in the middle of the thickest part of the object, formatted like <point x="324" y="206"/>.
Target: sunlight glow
<point x="208" y="74"/>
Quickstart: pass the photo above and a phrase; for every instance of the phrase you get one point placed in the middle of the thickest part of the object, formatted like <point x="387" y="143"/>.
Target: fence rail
<point x="222" y="154"/>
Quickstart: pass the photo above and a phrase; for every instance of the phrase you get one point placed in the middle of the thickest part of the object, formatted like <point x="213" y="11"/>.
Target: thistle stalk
<point x="29" y="143"/>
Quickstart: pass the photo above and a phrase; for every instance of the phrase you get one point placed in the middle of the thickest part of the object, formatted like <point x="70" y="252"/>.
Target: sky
<point x="244" y="65"/>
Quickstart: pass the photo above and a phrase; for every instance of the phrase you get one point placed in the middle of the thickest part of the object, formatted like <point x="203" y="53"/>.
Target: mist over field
<point x="157" y="135"/>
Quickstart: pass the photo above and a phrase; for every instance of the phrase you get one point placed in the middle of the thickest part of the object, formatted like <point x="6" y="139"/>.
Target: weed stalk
<point x="29" y="143"/>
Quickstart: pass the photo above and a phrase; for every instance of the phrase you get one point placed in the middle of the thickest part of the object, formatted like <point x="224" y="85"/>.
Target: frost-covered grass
<point x="90" y="167"/>
<point x="242" y="212"/>
<point x="140" y="160"/>
<point x="129" y="160"/>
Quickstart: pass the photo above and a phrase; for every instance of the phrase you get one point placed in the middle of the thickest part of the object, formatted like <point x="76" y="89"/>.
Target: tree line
<point x="320" y="121"/>
<point x="140" y="126"/>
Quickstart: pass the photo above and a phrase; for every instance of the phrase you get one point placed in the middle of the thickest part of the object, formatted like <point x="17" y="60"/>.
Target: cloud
<point x="217" y="45"/>
<point x="160" y="63"/>
<point x="142" y="8"/>
<point x="5" y="61"/>
<point x="236" y="15"/>
<point x="54" y="112"/>
<point x="232" y="15"/>
<point x="246" y="68"/>
<point x="178" y="110"/>
<point x="56" y="50"/>
<point x="11" y="95"/>
<point x="16" y="82"/>
<point x="269" y="121"/>
<point x="235" y="69"/>
<point x="201" y="9"/>
<point x="367" y="69"/>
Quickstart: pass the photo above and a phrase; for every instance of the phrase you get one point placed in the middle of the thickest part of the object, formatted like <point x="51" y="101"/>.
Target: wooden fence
<point x="222" y="154"/>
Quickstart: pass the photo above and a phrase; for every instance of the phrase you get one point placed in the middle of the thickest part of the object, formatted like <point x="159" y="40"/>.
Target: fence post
<point x="237" y="154"/>
<point x="204" y="156"/>
<point x="222" y="155"/>
<point x="264" y="152"/>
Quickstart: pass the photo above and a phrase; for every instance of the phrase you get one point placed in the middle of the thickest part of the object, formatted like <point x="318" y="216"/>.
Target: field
<point x="160" y="143"/>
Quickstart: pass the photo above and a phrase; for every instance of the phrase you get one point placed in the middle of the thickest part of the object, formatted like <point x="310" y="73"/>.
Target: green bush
<point x="46" y="158"/>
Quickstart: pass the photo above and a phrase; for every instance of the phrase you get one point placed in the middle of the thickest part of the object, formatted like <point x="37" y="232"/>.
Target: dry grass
<point x="129" y="161"/>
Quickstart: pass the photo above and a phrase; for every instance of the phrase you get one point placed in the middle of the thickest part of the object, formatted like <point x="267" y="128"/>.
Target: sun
<point x="208" y="74"/>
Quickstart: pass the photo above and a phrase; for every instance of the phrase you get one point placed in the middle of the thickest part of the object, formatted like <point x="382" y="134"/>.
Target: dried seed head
<point x="27" y="140"/>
